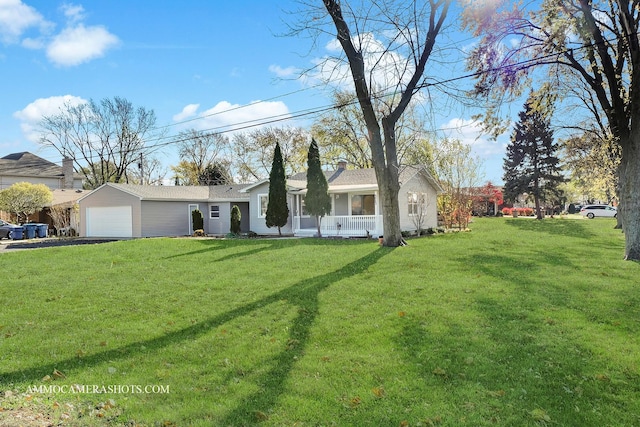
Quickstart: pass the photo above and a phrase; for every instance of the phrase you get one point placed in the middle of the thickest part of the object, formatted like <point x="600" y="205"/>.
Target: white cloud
<point x="74" y="13"/>
<point x="384" y="66"/>
<point x="76" y="45"/>
<point x="187" y="112"/>
<point x="16" y="18"/>
<point x="284" y="72"/>
<point x="225" y="117"/>
<point x="470" y="132"/>
<point x="32" y="114"/>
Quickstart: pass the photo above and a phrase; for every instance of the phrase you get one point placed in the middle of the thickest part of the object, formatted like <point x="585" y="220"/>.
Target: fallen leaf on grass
<point x="603" y="377"/>
<point x="540" y="415"/>
<point x="355" y="401"/>
<point x="378" y="391"/>
<point x="58" y="374"/>
<point x="261" y="416"/>
<point x="402" y="313"/>
<point x="498" y="393"/>
<point x="440" y="372"/>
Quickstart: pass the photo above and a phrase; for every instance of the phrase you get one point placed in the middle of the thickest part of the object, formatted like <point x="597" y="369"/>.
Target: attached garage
<point x="113" y="221"/>
<point x="130" y="211"/>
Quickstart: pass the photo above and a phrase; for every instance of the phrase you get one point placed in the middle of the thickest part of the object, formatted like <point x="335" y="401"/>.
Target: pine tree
<point x="277" y="209"/>
<point x="236" y="218"/>
<point x="317" y="200"/>
<point x="531" y="165"/>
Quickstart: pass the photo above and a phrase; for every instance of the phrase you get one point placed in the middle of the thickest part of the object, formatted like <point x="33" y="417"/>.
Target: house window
<point x="303" y="207"/>
<point x="363" y="204"/>
<point x="215" y="212"/>
<point x="263" y="202"/>
<point x="414" y="200"/>
<point x="412" y="203"/>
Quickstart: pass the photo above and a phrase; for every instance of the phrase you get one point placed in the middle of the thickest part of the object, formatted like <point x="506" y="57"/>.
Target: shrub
<point x="507" y="211"/>
<point x="197" y="220"/>
<point x="235" y="219"/>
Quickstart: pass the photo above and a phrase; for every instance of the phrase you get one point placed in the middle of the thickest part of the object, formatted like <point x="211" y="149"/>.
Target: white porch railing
<point x="343" y="225"/>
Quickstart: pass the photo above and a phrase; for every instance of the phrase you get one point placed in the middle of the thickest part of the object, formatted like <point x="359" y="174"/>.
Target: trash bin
<point x="30" y="230"/>
<point x="42" y="229"/>
<point x="17" y="233"/>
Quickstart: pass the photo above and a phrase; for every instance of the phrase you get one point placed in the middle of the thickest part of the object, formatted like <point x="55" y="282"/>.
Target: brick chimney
<point x="67" y="171"/>
<point x="342" y="165"/>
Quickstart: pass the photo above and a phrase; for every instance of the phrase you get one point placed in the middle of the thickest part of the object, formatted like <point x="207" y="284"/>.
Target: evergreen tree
<point x="236" y="218"/>
<point x="215" y="174"/>
<point x="531" y="165"/>
<point x="317" y="200"/>
<point x="277" y="209"/>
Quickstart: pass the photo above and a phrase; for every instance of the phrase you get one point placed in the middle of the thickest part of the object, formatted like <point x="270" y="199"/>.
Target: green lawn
<point x="516" y="323"/>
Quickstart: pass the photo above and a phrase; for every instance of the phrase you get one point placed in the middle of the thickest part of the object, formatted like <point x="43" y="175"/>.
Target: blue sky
<point x="183" y="59"/>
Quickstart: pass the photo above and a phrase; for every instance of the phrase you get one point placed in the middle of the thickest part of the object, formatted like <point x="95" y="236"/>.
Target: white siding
<point x="418" y="184"/>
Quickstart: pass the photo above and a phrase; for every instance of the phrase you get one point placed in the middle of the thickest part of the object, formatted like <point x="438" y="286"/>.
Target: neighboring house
<point x="27" y="167"/>
<point x="124" y="210"/>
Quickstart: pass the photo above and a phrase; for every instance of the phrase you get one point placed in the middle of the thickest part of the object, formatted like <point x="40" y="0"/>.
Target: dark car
<point x="5" y="229"/>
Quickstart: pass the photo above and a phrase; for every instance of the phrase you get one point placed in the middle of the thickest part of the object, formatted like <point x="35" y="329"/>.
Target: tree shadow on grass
<point x="303" y="294"/>
<point x="254" y="246"/>
<point x="560" y="227"/>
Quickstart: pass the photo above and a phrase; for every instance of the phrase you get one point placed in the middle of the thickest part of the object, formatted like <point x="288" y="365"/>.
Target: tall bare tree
<point x="386" y="77"/>
<point x="342" y="133"/>
<point x="201" y="149"/>
<point x="597" y="44"/>
<point x="253" y="151"/>
<point x="105" y="139"/>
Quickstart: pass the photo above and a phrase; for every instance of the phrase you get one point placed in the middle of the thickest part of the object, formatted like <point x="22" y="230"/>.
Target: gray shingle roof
<point x="184" y="192"/>
<point x="356" y="177"/>
<point x="343" y="177"/>
<point x="27" y="164"/>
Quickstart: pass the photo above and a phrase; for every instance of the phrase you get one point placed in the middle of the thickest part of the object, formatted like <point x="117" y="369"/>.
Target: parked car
<point x="592" y="211"/>
<point x="5" y="229"/>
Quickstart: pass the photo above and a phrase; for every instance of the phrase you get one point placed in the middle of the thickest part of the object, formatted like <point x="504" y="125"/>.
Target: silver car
<point x="592" y="211"/>
<point x="5" y="229"/>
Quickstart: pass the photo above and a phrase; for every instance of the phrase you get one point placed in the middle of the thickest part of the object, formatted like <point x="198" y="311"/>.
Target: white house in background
<point x="124" y="210"/>
<point x="356" y="209"/>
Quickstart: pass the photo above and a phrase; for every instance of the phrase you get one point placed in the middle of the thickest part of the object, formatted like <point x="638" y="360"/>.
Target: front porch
<point x="339" y="226"/>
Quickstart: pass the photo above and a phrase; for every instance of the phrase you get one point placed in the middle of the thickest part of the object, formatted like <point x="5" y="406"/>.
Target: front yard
<point x="518" y="322"/>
